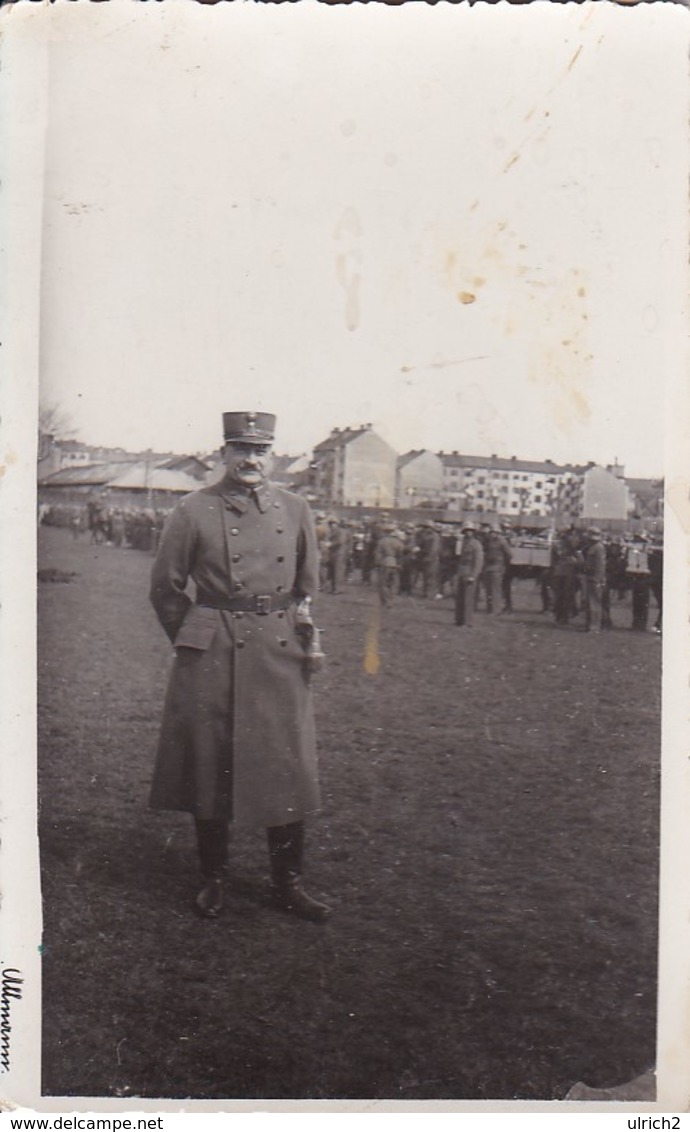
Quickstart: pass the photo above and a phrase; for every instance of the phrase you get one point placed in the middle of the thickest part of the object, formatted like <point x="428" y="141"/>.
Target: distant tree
<point x="54" y="421"/>
<point x="53" y="424"/>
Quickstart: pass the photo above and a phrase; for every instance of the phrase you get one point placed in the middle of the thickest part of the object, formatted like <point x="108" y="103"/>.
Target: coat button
<point x="279" y="530"/>
<point x="276" y="504"/>
<point x="239" y="615"/>
<point x="283" y="644"/>
<point x="234" y="531"/>
<point x="279" y="589"/>
<point x="237" y="586"/>
<point x="281" y="613"/>
<point x="240" y="645"/>
<point x="236" y="557"/>
<point x="280" y="558"/>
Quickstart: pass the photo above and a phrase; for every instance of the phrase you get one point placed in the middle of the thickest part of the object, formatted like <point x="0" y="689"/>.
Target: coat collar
<point x="240" y="501"/>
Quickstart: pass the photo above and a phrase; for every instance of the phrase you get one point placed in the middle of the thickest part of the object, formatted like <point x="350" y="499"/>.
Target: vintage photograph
<point x="359" y="335"/>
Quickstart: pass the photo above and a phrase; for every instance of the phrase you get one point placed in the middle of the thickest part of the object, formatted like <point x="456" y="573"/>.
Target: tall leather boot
<point x="212" y="845"/>
<point x="286" y="854"/>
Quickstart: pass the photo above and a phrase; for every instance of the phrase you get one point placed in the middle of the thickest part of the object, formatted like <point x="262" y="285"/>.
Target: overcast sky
<point x="462" y="233"/>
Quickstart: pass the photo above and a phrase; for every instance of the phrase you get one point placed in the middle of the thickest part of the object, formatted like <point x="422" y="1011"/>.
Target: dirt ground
<point x="489" y="842"/>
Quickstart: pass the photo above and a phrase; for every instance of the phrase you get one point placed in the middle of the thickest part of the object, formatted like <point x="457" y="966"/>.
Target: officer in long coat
<point x="237" y="741"/>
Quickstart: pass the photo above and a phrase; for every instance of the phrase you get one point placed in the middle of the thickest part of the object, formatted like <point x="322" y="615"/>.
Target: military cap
<point x="250" y="428"/>
<point x="468" y="527"/>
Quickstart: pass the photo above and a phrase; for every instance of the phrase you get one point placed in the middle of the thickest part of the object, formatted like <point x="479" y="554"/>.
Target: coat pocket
<point x="198" y="628"/>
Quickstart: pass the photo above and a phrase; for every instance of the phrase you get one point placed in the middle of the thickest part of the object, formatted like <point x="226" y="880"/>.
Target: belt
<point x="250" y="603"/>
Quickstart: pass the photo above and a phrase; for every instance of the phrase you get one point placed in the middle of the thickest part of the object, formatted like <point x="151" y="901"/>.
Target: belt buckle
<point x="263" y="604"/>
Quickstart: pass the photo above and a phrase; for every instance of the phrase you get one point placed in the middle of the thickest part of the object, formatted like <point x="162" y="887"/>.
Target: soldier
<point x="237" y="741"/>
<point x="448" y="562"/>
<point x="594" y="581"/>
<point x="388" y="557"/>
<point x="117" y="527"/>
<point x="429" y="558"/>
<point x="470" y="562"/>
<point x="565" y="562"/>
<point x="508" y="576"/>
<point x="409" y="551"/>
<point x="497" y="558"/>
<point x="337" y="555"/>
<point x="640" y="578"/>
<point x="322" y="530"/>
<point x="655" y="561"/>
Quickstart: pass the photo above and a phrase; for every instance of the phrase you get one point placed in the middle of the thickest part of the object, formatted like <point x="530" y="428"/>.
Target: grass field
<point x="489" y="842"/>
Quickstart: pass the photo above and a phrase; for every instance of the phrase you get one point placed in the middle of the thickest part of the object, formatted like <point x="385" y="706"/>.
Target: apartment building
<point x="497" y="484"/>
<point x="354" y="466"/>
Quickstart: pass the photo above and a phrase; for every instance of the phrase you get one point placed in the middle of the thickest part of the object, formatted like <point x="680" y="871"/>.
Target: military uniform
<point x="470" y="563"/>
<point x="337" y="556"/>
<point x="594" y="581"/>
<point x="429" y="559"/>
<point x="497" y="558"/>
<point x="237" y="740"/>
<point x="388" y="557"/>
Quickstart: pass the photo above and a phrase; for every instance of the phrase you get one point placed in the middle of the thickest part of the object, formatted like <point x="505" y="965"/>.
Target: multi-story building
<point x="500" y="485"/>
<point x="419" y="481"/>
<point x="593" y="493"/>
<point x="647" y="498"/>
<point x="354" y="466"/>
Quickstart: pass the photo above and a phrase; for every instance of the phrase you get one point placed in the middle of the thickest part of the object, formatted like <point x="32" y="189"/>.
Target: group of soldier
<point x="588" y="571"/>
<point x="582" y="572"/>
<point x="109" y="525"/>
<point x="474" y="564"/>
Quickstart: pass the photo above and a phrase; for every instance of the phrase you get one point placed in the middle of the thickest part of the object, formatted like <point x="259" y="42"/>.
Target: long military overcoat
<point x="237" y="738"/>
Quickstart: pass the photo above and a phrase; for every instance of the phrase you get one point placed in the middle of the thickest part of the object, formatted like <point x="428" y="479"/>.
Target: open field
<point x="489" y="840"/>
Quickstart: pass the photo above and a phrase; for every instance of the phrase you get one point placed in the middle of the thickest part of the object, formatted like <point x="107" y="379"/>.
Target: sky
<point x="464" y="234"/>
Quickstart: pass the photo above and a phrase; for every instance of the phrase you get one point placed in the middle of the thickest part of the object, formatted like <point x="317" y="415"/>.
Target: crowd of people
<point x="581" y="573"/>
<point x="106" y="524"/>
<point x="582" y="570"/>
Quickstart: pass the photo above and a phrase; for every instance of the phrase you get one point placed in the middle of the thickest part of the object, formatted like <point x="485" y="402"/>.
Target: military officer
<point x="237" y="741"/>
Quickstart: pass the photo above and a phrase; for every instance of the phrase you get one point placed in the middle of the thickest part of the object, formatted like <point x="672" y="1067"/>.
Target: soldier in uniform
<point x="388" y="558"/>
<point x="655" y="561"/>
<point x="237" y="741"/>
<point x="640" y="578"/>
<point x="470" y="563"/>
<point x="594" y="581"/>
<point x="497" y="558"/>
<point x="565" y="562"/>
<point x="337" y="555"/>
<point x="429" y="558"/>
